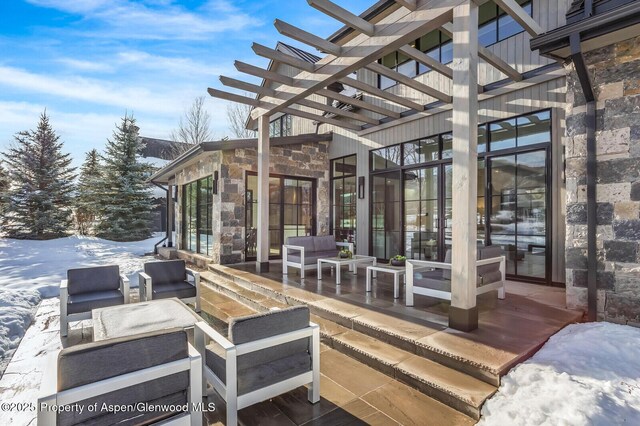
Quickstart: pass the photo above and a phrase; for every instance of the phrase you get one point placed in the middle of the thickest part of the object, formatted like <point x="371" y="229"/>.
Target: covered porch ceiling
<point x="359" y="46"/>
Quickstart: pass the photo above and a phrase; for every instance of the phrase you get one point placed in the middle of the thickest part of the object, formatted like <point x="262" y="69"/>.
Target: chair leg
<point x="64" y="325"/>
<point x="314" y="390"/>
<point x="501" y="292"/>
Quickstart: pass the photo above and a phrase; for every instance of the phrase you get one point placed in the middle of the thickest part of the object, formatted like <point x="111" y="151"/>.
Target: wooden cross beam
<point x="343" y="15"/>
<point x="307" y="38"/>
<point x="409" y="82"/>
<point x="387" y="96"/>
<point x="247" y="87"/>
<point x="521" y="16"/>
<point x="262" y="73"/>
<point x="362" y="51"/>
<point x="409" y="4"/>
<point x="491" y="58"/>
<point x="358" y="103"/>
<point x="221" y="94"/>
<point x="274" y="55"/>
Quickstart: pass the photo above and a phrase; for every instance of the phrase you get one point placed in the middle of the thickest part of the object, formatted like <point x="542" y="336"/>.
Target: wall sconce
<point x="361" y="187"/>
<point x="215" y="182"/>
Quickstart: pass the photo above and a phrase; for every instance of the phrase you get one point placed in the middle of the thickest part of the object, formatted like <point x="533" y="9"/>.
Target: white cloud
<point x="156" y="20"/>
<point x="89" y="66"/>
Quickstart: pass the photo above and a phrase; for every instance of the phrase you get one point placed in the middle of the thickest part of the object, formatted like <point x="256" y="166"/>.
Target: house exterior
<point x="372" y="172"/>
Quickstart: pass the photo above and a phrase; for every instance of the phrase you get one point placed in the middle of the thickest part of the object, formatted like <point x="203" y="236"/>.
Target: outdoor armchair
<point x="303" y="252"/>
<point x="265" y="355"/>
<point x="170" y="278"/>
<point x="90" y="288"/>
<point x="124" y="381"/>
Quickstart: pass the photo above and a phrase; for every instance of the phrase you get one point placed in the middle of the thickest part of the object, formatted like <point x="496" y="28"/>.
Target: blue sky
<point x="90" y="61"/>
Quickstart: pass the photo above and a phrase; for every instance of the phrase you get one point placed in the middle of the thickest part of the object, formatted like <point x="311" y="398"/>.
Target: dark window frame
<point x="284" y="125"/>
<point x="186" y="219"/>
<point x="332" y="179"/>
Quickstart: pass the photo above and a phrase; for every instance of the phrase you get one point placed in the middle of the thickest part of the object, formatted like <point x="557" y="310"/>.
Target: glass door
<point x="421" y="213"/>
<point x="518" y="211"/>
<point x="291" y="212"/>
<point x="386" y="220"/>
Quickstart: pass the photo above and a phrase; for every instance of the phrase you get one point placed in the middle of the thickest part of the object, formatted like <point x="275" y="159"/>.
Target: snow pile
<point x="585" y="374"/>
<point x="16" y="314"/>
<point x="40" y="265"/>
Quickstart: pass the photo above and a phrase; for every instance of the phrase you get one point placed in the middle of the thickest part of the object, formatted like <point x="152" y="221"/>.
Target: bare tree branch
<point x="237" y="115"/>
<point x="194" y="127"/>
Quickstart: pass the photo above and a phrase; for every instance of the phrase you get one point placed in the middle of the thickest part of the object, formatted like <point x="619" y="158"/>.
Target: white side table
<point x="396" y="271"/>
<point x="338" y="262"/>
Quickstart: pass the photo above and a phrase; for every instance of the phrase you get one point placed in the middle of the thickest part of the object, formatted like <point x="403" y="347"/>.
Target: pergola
<point x="370" y="42"/>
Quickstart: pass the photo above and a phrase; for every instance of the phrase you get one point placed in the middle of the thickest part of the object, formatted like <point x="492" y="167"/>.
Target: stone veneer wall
<point x="304" y="160"/>
<point x="615" y="74"/>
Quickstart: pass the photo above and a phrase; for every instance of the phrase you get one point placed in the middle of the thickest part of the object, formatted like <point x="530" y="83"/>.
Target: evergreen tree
<point x="40" y="195"/>
<point x="4" y="188"/>
<point x="88" y="198"/>
<point x="126" y="203"/>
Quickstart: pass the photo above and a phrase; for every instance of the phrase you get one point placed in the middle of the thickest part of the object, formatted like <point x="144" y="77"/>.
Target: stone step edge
<point x="430" y="388"/>
<point x="448" y="359"/>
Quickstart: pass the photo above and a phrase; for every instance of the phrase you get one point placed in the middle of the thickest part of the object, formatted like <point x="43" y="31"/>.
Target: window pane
<point x="429" y="41"/>
<point x="350" y="165"/>
<point x="482" y="139"/>
<point x="531" y="172"/>
<point x="503" y="135"/>
<point x="408" y="68"/>
<point x="507" y="27"/>
<point x="389" y="60"/>
<point x="393" y="156"/>
<point x="534" y="128"/>
<point x="503" y="174"/>
<point x="385" y="82"/>
<point x="447" y="146"/>
<point x="446" y="52"/>
<point x="420" y="151"/>
<point x="488" y="34"/>
<point x="412" y="185"/>
<point x="487" y="12"/>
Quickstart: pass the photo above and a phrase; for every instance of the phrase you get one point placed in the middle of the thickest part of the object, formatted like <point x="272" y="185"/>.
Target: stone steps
<point x="398" y="331"/>
<point x="456" y="389"/>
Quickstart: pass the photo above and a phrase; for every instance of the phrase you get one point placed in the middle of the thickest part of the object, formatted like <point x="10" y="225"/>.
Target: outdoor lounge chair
<point x="303" y="252"/>
<point x="433" y="279"/>
<point x="126" y="373"/>
<point x="90" y="288"/>
<point x="170" y="278"/>
<point x="266" y="355"/>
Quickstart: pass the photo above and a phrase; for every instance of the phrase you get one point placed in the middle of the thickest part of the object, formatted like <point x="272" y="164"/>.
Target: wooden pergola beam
<point x="262" y="73"/>
<point x="409" y="82"/>
<point x="321" y="119"/>
<point x="247" y="87"/>
<point x="427" y="60"/>
<point x="409" y="4"/>
<point x="227" y="96"/>
<point x="372" y="90"/>
<point x="362" y="51"/>
<point x="307" y="38"/>
<point x="349" y="19"/>
<point x="358" y="103"/>
<point x="491" y="58"/>
<point x="521" y="16"/>
<point x="274" y="55"/>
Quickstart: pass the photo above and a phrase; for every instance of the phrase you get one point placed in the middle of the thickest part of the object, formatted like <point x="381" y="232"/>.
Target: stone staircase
<point x="387" y="343"/>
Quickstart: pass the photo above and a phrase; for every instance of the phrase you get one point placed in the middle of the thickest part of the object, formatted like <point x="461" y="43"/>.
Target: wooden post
<point x="170" y="215"/>
<point x="262" y="264"/>
<point x="463" y="314"/>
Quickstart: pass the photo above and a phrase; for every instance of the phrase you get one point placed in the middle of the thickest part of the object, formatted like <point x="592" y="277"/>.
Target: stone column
<point x="262" y="263"/>
<point x="170" y="215"/>
<point x="463" y="314"/>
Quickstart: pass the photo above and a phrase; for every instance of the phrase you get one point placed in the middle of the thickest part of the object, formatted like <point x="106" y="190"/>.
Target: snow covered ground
<point x="17" y="308"/>
<point x="586" y="374"/>
<point x="40" y="265"/>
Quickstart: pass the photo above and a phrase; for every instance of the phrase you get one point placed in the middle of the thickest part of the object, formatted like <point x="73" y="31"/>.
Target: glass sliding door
<point x="386" y="223"/>
<point x="421" y="213"/>
<point x="291" y="212"/>
<point x="197" y="205"/>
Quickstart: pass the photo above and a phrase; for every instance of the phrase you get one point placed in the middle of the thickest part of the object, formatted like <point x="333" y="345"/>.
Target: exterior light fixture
<point x="215" y="182"/>
<point x="361" y="187"/>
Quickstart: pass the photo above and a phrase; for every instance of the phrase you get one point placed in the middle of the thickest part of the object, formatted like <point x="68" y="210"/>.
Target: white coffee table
<point x="143" y="317"/>
<point x="338" y="262"/>
<point x="396" y="271"/>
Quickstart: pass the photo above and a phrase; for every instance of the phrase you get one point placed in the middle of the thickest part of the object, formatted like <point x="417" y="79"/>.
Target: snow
<point x="17" y="308"/>
<point x="40" y="265"/>
<point x="586" y="374"/>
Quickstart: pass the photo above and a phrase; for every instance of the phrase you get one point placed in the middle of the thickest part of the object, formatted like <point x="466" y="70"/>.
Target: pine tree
<point x="4" y="188"/>
<point x="40" y="195"/>
<point x="88" y="198"/>
<point x="126" y="203"/>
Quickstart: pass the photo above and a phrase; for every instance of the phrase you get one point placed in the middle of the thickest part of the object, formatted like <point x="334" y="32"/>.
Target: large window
<point x="197" y="204"/>
<point x="494" y="25"/>
<point x="281" y="126"/>
<point x="344" y="198"/>
<point x="291" y="212"/>
<point x="411" y="195"/>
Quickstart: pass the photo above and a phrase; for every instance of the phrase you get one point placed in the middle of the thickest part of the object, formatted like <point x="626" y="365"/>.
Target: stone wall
<point x="615" y="74"/>
<point x="303" y="160"/>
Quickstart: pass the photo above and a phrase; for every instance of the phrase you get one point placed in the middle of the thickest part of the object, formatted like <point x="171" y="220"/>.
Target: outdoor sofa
<point x="433" y="279"/>
<point x="170" y="278"/>
<point x="90" y="288"/>
<point x="266" y="355"/>
<point x="303" y="252"/>
<point x="153" y="368"/>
